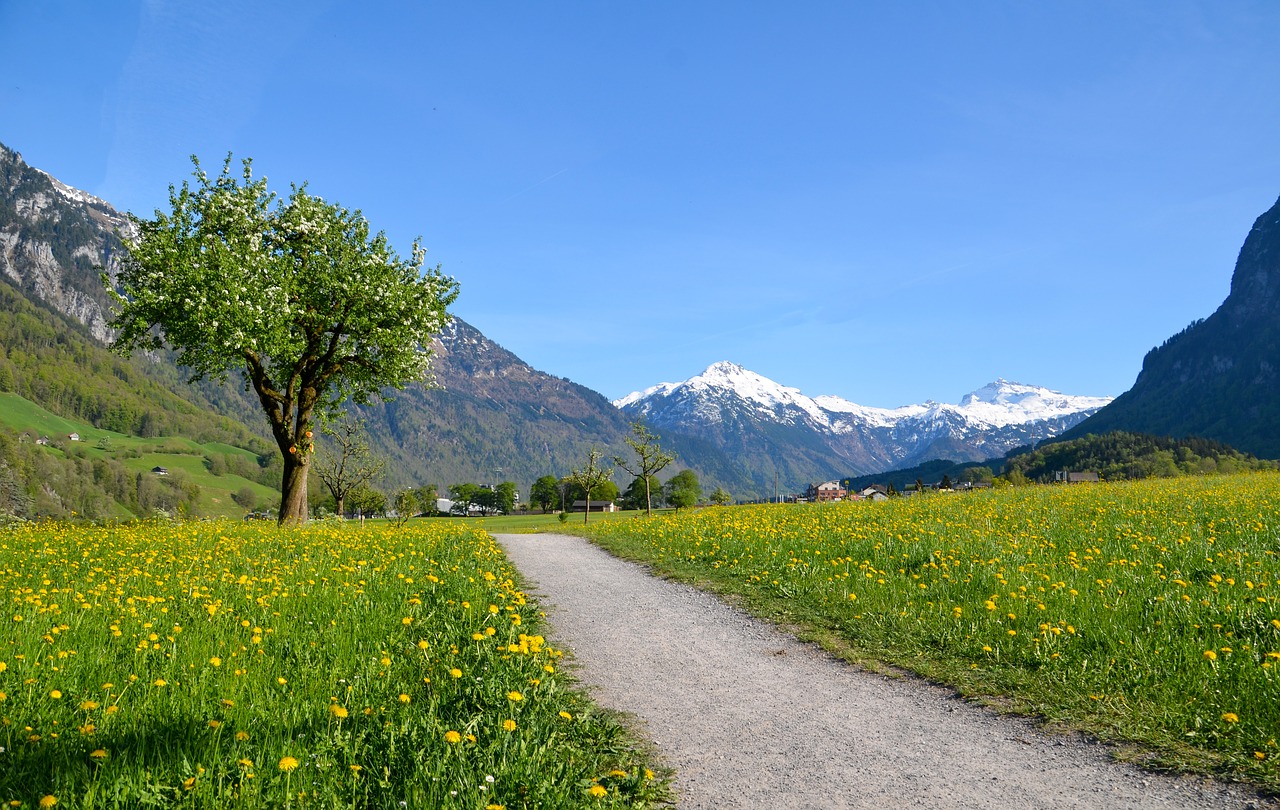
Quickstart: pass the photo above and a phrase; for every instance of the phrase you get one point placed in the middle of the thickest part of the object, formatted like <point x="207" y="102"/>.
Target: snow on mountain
<point x="726" y="402"/>
<point x="999" y="403"/>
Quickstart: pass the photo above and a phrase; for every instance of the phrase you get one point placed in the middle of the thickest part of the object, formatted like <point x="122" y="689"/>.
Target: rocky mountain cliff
<point x="53" y="241"/>
<point x="779" y="430"/>
<point x="1218" y="377"/>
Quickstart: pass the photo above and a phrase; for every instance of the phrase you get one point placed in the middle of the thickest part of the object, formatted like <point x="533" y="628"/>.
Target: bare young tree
<point x="590" y="477"/>
<point x="650" y="460"/>
<point x="349" y="464"/>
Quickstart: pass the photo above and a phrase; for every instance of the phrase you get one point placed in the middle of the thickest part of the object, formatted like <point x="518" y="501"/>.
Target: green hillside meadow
<point x="202" y="473"/>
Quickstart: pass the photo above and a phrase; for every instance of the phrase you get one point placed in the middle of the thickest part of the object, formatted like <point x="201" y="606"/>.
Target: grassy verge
<point x="1145" y="612"/>
<point x="220" y="664"/>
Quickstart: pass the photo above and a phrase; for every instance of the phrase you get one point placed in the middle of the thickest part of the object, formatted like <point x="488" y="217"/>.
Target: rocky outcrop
<point x="55" y="242"/>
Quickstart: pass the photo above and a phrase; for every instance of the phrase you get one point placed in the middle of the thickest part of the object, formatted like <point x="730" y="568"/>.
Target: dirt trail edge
<point x="750" y="717"/>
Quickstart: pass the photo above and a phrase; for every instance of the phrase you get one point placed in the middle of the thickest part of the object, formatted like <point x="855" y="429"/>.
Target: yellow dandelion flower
<point x="1230" y="717"/>
<point x="215" y="724"/>
<point x="160" y="682"/>
<point x="98" y="754"/>
<point x="56" y="695"/>
<point x="288" y="764"/>
<point x="245" y="763"/>
<point x="452" y="737"/>
<point x="455" y="672"/>
<point x="89" y="705"/>
<point x="514" y="696"/>
<point x="597" y="792"/>
<point x="337" y="711"/>
<point x="48" y="801"/>
<point x="508" y="725"/>
<point x="566" y="715"/>
<point x="215" y="661"/>
<point x="404" y="698"/>
<point x="1210" y="655"/>
<point x="407" y="620"/>
<point x="356" y="769"/>
<point x="281" y="681"/>
<point x="187" y="784"/>
<point x="422" y="645"/>
<point x="242" y="735"/>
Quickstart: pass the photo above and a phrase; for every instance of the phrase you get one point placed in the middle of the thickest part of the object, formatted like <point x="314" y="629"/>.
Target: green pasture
<point x="180" y="456"/>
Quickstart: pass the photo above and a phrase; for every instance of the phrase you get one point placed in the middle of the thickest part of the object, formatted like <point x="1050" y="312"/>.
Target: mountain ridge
<point x="1220" y="377"/>
<point x="747" y="414"/>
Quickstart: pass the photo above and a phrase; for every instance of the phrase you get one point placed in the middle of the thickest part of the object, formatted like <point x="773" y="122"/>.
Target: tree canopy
<point x="545" y="493"/>
<point x="296" y="292"/>
<point x="683" y="489"/>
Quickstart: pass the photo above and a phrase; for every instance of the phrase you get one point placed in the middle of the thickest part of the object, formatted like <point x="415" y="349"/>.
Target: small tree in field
<point x="721" y="497"/>
<point x="683" y="490"/>
<point x="349" y="464"/>
<point x="407" y="505"/>
<point x="295" y="292"/>
<point x="650" y="460"/>
<point x="545" y="493"/>
<point x="590" y="477"/>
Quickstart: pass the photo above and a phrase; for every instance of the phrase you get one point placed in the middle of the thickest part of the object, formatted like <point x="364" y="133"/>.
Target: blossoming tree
<point x="296" y="292"/>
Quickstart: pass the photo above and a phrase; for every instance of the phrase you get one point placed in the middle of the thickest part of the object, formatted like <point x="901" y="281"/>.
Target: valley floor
<point x="750" y="717"/>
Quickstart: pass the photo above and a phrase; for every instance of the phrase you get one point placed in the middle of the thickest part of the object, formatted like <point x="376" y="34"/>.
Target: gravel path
<point x="750" y="717"/>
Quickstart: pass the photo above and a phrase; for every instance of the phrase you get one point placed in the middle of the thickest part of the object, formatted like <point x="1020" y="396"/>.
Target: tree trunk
<point x="648" y="499"/>
<point x="293" y="490"/>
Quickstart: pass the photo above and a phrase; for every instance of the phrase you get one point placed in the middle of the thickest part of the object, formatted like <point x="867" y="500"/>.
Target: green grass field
<point x="1145" y="611"/>
<point x="218" y="664"/>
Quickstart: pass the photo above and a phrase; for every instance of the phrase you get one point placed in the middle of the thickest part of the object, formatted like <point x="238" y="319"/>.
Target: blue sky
<point x="890" y="202"/>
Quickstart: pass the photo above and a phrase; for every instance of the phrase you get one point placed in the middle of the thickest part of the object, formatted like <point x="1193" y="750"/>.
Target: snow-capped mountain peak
<point x="1007" y="403"/>
<point x="727" y="399"/>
